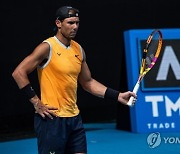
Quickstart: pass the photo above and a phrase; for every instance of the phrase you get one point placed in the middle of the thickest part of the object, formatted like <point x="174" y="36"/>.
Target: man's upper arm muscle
<point x="85" y="74"/>
<point x="30" y="63"/>
<point x="40" y="53"/>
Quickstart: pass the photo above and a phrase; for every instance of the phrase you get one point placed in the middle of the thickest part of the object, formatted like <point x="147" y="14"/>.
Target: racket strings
<point x="149" y="60"/>
<point x="151" y="52"/>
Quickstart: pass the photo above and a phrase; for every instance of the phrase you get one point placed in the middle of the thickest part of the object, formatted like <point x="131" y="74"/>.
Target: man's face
<point x="69" y="27"/>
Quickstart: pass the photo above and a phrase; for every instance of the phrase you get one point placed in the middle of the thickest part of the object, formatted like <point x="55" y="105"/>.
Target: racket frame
<point x="144" y="71"/>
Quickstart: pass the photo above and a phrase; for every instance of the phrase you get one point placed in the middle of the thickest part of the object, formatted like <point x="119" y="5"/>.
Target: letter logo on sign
<point x="169" y="59"/>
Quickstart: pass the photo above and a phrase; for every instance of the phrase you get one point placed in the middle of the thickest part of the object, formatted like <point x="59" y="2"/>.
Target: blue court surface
<point x="104" y="138"/>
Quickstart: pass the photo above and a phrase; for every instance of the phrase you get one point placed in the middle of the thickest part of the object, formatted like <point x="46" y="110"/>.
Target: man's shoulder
<point x="50" y="38"/>
<point x="75" y="42"/>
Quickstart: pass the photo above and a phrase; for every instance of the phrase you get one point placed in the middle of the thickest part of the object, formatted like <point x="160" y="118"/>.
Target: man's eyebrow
<point x="73" y="21"/>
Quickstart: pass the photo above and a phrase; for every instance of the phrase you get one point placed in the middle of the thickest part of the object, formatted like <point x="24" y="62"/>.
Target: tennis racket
<point x="149" y="57"/>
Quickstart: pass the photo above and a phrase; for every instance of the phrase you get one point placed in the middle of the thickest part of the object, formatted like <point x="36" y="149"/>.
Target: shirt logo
<point x="58" y="53"/>
<point x="77" y="56"/>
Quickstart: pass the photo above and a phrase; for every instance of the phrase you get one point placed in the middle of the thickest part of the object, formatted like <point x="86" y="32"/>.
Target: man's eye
<point x="71" y="23"/>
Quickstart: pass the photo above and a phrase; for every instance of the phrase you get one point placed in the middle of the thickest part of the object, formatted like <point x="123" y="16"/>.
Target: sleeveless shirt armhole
<point x="49" y="56"/>
<point x="82" y="53"/>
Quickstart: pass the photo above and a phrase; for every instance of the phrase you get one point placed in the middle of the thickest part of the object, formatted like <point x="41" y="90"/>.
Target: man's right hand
<point x="42" y="109"/>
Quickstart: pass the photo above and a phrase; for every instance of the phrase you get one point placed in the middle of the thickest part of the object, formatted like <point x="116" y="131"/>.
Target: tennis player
<point x="61" y="64"/>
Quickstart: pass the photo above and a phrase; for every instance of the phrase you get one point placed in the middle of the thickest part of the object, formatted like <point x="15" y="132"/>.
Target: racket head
<point x="151" y="51"/>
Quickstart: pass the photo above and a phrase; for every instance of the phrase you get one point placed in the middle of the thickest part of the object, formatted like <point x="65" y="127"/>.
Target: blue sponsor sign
<point x="158" y="104"/>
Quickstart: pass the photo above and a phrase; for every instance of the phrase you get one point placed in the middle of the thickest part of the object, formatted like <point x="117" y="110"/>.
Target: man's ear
<point x="58" y="23"/>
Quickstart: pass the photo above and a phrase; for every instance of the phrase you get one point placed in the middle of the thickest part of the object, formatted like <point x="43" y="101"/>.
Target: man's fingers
<point x="52" y="113"/>
<point x="133" y="94"/>
<point x="44" y="110"/>
<point x="48" y="114"/>
<point x="52" y="108"/>
<point x="135" y="99"/>
<point x="42" y="115"/>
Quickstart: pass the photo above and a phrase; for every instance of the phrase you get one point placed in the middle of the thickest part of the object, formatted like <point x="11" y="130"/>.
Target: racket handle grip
<point x="130" y="102"/>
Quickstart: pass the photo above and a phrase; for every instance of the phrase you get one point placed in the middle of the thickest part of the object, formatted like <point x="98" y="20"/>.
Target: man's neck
<point x="63" y="39"/>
